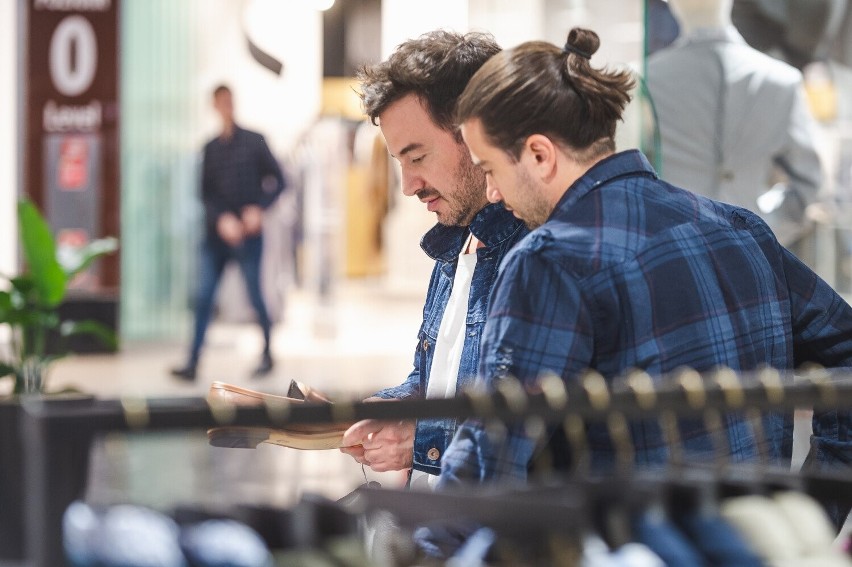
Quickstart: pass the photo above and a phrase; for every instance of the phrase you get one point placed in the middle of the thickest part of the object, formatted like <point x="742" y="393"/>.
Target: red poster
<point x="73" y="167"/>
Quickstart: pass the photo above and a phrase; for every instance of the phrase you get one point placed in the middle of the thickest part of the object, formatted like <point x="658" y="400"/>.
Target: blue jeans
<point x="215" y="255"/>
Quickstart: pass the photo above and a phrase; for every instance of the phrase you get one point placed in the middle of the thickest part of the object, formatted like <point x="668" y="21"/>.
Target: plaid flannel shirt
<point x="631" y="272"/>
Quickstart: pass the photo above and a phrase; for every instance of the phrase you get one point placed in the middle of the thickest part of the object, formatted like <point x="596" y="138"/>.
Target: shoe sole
<point x="251" y="437"/>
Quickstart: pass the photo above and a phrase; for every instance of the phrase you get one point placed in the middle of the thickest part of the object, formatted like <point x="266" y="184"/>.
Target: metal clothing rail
<point x="637" y="396"/>
<point x="57" y="433"/>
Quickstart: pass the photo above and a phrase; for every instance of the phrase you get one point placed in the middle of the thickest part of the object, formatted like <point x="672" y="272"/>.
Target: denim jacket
<point x="498" y="230"/>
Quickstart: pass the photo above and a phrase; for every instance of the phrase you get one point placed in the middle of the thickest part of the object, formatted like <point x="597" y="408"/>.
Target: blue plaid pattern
<point x="631" y="272"/>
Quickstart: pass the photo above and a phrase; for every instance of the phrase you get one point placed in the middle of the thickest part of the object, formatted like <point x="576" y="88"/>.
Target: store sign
<point x="72" y="155"/>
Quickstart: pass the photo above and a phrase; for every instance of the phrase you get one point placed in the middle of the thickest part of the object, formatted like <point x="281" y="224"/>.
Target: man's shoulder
<point x="211" y="143"/>
<point x="557" y="243"/>
<point x="250" y="133"/>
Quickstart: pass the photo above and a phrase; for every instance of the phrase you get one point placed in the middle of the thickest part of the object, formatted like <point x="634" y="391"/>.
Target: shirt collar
<point x="237" y="132"/>
<point x="630" y="162"/>
<point x="492" y="225"/>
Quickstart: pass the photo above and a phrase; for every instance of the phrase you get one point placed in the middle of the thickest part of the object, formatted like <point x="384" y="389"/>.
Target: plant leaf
<point x="99" y="330"/>
<point x="24" y="283"/>
<point x="40" y="253"/>
<point x="75" y="260"/>
<point x="5" y="306"/>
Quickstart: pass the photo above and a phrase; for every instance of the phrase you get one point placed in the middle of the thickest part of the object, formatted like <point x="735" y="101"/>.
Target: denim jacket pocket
<point x="432" y="438"/>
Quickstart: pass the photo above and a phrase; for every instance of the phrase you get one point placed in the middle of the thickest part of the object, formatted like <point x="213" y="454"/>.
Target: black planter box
<point x="12" y="543"/>
<point x="18" y="460"/>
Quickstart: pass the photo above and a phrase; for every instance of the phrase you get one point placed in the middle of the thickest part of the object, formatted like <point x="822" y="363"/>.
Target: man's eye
<point x="417" y="159"/>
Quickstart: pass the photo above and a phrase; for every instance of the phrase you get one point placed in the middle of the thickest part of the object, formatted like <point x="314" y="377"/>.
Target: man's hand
<point x="230" y="229"/>
<point x="381" y="445"/>
<point x="252" y="217"/>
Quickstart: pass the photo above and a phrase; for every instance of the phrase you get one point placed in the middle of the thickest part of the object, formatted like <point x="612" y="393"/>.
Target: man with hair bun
<point x="622" y="270"/>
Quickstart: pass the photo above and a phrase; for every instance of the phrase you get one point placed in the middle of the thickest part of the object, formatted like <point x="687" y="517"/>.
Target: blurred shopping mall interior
<point x="106" y="106"/>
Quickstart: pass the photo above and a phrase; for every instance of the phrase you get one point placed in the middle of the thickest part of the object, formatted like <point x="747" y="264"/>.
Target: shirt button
<point x="433" y="454"/>
<point x="425" y="344"/>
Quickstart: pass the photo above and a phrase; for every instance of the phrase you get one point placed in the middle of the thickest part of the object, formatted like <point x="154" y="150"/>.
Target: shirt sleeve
<point x="410" y="388"/>
<point x="538" y="322"/>
<point x="822" y="331"/>
<point x="822" y="320"/>
<point x="212" y="205"/>
<point x="272" y="181"/>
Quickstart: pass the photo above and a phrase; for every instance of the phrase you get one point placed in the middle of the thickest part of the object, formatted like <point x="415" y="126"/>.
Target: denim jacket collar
<point x="492" y="225"/>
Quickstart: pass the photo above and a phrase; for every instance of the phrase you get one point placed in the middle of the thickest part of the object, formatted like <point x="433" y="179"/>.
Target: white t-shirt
<point x="444" y="373"/>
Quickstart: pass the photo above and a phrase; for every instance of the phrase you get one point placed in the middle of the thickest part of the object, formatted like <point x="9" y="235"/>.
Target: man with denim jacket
<point x="412" y="96"/>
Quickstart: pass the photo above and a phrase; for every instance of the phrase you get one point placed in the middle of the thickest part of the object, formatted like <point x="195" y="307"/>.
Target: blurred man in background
<point x="240" y="178"/>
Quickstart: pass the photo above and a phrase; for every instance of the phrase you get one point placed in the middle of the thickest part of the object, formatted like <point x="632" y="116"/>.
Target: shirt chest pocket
<point x="428" y="336"/>
<point x="425" y="351"/>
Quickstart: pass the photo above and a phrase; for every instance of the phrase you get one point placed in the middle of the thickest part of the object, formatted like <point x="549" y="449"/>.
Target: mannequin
<point x="734" y="123"/>
<point x="697" y="14"/>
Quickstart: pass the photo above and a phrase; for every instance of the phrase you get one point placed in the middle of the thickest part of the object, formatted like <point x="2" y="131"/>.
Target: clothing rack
<point x="546" y="518"/>
<point x="57" y="432"/>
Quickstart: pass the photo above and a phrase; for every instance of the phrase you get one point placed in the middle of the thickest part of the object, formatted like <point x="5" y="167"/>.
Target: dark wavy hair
<point x="435" y="66"/>
<point x="538" y="87"/>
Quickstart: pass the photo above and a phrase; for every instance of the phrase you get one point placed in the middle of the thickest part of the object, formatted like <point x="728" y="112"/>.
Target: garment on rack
<point x="315" y="531"/>
<point x="718" y="541"/>
<point x="689" y="517"/>
<point x="653" y="529"/>
<point x="788" y="529"/>
<point x="120" y="536"/>
<point x="596" y="553"/>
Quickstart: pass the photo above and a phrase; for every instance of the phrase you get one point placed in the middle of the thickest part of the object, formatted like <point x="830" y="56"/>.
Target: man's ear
<point x="540" y="151"/>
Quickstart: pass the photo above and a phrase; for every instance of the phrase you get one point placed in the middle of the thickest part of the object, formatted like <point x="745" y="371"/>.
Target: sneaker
<point x="186" y="373"/>
<point x="264" y="368"/>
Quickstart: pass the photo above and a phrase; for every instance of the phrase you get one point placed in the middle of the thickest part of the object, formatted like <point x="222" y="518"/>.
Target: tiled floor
<point x="361" y="344"/>
<point x="364" y="341"/>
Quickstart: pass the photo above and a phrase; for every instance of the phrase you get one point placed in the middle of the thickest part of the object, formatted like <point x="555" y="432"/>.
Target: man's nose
<point x="492" y="193"/>
<point x="411" y="183"/>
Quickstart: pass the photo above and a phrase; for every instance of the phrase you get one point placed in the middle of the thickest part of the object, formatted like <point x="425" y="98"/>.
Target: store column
<point x="9" y="125"/>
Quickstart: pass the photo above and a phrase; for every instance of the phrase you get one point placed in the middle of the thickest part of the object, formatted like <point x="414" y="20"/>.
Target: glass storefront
<point x="174" y="53"/>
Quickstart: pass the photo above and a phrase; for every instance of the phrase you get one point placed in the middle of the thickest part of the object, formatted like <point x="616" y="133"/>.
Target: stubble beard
<point x="469" y="197"/>
<point x="536" y="209"/>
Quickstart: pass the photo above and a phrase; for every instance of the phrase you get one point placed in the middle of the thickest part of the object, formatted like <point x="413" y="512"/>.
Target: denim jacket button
<point x="433" y="454"/>
<point x="425" y="344"/>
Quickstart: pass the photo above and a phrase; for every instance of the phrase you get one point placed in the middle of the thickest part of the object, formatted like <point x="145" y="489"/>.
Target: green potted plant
<point x="30" y="305"/>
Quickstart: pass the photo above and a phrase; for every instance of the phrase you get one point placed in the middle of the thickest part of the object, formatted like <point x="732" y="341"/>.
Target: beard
<point x="467" y="199"/>
<point x="535" y="210"/>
